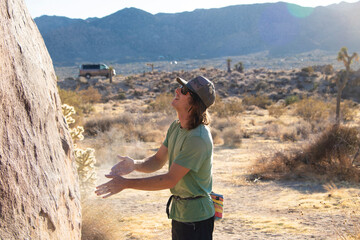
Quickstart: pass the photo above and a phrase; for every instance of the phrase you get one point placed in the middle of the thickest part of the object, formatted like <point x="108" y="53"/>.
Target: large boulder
<point x="39" y="193"/>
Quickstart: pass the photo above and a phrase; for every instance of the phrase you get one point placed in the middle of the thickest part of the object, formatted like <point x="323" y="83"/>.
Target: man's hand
<point x="125" y="166"/>
<point x="115" y="185"/>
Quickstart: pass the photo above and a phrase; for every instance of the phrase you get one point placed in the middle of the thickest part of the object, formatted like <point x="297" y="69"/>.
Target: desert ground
<point x="253" y="208"/>
<point x="253" y="119"/>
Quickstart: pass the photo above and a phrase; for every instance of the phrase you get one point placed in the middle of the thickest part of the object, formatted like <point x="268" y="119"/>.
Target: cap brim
<point x="181" y="81"/>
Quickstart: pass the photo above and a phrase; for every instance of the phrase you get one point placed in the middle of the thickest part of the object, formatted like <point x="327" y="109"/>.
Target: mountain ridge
<point x="134" y="35"/>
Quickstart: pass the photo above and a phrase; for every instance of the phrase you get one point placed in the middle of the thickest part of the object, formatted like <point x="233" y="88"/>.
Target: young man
<point x="189" y="149"/>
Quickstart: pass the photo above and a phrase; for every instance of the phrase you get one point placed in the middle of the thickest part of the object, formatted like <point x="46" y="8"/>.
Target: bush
<point x="259" y="100"/>
<point x="348" y="110"/>
<point x="95" y="125"/>
<point x="291" y="99"/>
<point x="232" y="136"/>
<point x="82" y="101"/>
<point x="276" y="110"/>
<point x="231" y="107"/>
<point x="309" y="70"/>
<point x="90" y="95"/>
<point x="239" y="67"/>
<point x="311" y="109"/>
<point x="162" y="103"/>
<point x="329" y="157"/>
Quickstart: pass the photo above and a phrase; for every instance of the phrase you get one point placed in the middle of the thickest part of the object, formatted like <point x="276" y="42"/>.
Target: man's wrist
<point x="137" y="164"/>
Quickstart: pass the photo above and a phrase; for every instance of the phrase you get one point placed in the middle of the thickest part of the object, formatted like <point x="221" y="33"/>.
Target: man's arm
<point x="147" y="165"/>
<point x="163" y="181"/>
<point x="153" y="163"/>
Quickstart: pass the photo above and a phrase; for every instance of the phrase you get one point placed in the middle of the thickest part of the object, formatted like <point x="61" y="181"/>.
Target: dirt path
<point x="253" y="210"/>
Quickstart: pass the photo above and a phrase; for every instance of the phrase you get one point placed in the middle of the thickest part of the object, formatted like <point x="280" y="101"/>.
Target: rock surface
<point x="39" y="193"/>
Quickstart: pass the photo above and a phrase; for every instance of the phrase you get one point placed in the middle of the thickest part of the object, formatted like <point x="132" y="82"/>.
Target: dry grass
<point x="227" y="108"/>
<point x="162" y="103"/>
<point x="276" y="110"/>
<point x="261" y="101"/>
<point x="81" y="100"/>
<point x="292" y="131"/>
<point x="97" y="227"/>
<point x="312" y="109"/>
<point x="329" y="157"/>
<point x="132" y="126"/>
<point x="227" y="131"/>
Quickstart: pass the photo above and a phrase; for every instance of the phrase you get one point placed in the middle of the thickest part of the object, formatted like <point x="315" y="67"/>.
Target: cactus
<point x="85" y="159"/>
<point x="67" y="112"/>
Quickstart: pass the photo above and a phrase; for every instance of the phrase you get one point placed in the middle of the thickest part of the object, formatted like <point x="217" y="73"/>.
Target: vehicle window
<point x="102" y="66"/>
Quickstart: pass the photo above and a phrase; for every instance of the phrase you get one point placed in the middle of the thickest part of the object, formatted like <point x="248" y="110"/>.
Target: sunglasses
<point x="184" y="90"/>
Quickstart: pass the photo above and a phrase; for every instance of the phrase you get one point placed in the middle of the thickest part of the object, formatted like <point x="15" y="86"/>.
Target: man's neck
<point x="184" y="120"/>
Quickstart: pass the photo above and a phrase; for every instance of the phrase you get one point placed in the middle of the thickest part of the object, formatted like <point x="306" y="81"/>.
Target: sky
<point x="99" y="8"/>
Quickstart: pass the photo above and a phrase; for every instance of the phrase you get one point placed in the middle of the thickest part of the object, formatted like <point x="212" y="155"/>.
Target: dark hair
<point x="198" y="112"/>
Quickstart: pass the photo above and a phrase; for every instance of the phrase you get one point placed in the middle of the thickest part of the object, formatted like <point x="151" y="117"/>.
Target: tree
<point x="239" y="67"/>
<point x="343" y="76"/>
<point x="228" y="61"/>
<point x="151" y="65"/>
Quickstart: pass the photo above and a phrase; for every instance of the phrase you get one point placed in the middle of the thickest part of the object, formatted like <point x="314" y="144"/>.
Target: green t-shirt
<point x="192" y="149"/>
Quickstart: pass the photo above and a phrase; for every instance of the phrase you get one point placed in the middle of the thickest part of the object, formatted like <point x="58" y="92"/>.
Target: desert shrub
<point x="216" y="136"/>
<point x="348" y="110"/>
<point x="311" y="109"/>
<point x="258" y="100"/>
<point x="162" y="103"/>
<point x="102" y="124"/>
<point x="328" y="157"/>
<point x="227" y="108"/>
<point x="328" y="69"/>
<point x="299" y="130"/>
<point x="70" y="98"/>
<point x="271" y="130"/>
<point x="227" y="131"/>
<point x="90" y="95"/>
<point x="154" y="135"/>
<point x="291" y="99"/>
<point x="276" y="110"/>
<point x="95" y="226"/>
<point x="239" y="67"/>
<point x="82" y="101"/>
<point x="232" y="136"/>
<point x="222" y="123"/>
<point x="131" y="126"/>
<point x="309" y="70"/>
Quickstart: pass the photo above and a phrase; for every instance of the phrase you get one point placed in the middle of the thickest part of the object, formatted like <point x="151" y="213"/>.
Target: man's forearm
<point x="147" y="165"/>
<point x="154" y="183"/>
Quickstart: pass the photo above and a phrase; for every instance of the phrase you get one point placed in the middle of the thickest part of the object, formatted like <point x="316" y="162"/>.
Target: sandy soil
<point x="253" y="209"/>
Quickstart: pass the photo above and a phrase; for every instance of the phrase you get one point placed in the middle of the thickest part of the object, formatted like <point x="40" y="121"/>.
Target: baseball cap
<point x="202" y="87"/>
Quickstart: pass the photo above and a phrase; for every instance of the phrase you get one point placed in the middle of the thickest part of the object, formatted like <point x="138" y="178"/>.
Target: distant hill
<point x="133" y="35"/>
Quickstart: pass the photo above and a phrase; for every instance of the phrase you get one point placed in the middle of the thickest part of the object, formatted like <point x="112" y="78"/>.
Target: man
<point x="189" y="149"/>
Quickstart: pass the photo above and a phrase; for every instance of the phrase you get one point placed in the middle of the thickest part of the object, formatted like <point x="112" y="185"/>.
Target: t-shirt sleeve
<point x="193" y="153"/>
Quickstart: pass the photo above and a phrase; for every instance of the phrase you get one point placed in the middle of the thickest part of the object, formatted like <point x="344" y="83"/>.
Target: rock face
<point x="39" y="193"/>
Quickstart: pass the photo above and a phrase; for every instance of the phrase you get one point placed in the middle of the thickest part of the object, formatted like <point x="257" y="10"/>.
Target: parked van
<point x="90" y="70"/>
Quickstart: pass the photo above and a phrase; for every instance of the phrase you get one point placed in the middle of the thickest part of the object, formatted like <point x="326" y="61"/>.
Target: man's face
<point x="181" y="102"/>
